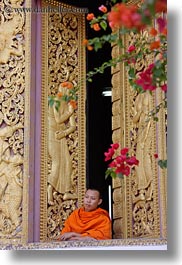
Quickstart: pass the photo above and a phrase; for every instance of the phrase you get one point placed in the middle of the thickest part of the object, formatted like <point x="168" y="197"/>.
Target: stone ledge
<point x="120" y="244"/>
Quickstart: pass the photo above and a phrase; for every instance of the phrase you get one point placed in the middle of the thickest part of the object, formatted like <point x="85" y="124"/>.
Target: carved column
<point x="63" y="60"/>
<point x="139" y="208"/>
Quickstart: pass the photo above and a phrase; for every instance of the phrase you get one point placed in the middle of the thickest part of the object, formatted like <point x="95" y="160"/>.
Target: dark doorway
<point x="98" y="108"/>
<point x="99" y="113"/>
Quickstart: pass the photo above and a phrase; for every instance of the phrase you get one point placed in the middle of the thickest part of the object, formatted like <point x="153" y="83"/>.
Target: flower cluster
<point x="121" y="165"/>
<point x="127" y="16"/>
<point x="70" y="97"/>
<point x="123" y="19"/>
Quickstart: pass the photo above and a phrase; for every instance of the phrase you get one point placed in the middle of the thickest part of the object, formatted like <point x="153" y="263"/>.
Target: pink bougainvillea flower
<point x="145" y="79"/>
<point x="164" y="88"/>
<point x="109" y="154"/>
<point x="115" y="146"/>
<point x="132" y="161"/>
<point x="124" y="151"/>
<point x="112" y="164"/>
<point x="103" y="8"/>
<point x="120" y="159"/>
<point x="161" y="24"/>
<point x="125" y="170"/>
<point x="131" y="48"/>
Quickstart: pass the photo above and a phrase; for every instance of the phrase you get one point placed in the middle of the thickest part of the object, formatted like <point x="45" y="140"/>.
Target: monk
<point x="88" y="223"/>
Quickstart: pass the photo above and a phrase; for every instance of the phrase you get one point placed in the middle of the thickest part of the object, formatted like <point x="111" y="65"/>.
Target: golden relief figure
<point x="61" y="123"/>
<point x="8" y="31"/>
<point x="143" y="145"/>
<point x="143" y="181"/>
<point x="11" y="182"/>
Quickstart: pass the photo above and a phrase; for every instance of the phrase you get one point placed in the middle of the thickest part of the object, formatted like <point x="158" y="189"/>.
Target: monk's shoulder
<point x="103" y="213"/>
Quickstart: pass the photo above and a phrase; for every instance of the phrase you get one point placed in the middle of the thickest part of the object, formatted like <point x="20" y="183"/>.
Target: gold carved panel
<point x="143" y="195"/>
<point x="14" y="118"/>
<point x="63" y="131"/>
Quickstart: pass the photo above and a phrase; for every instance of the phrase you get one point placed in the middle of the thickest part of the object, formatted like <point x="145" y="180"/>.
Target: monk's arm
<point x="69" y="236"/>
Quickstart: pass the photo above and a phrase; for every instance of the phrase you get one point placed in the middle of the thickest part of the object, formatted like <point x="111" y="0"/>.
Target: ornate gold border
<point x="44" y="114"/>
<point x="162" y="152"/>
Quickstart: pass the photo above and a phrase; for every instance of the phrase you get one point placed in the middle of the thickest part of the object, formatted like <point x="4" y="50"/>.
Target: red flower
<point x="115" y="146"/>
<point x="122" y="163"/>
<point x="161" y="6"/>
<point x="120" y="159"/>
<point x="73" y="103"/>
<point x="96" y="27"/>
<point x="112" y="164"/>
<point x="127" y="16"/>
<point x="131" y="48"/>
<point x="124" y="151"/>
<point x="164" y="88"/>
<point x="145" y="80"/>
<point x="161" y="23"/>
<point x="156" y="156"/>
<point x="132" y="161"/>
<point x="153" y="32"/>
<point x="90" y="16"/>
<point x="109" y="154"/>
<point x="155" y="45"/>
<point x="125" y="170"/>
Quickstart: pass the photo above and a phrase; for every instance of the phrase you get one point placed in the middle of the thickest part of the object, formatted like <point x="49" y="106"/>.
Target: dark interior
<point x="98" y="108"/>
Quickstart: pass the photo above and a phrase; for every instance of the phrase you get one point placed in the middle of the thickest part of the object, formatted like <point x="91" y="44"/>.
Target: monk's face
<point x="91" y="200"/>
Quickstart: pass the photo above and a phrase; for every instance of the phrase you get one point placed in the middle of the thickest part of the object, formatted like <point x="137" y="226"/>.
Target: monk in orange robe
<point x="89" y="222"/>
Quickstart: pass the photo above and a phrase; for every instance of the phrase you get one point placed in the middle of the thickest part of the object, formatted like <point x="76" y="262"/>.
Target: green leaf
<point x="103" y="24"/>
<point x="51" y="101"/>
<point x="131" y="73"/>
<point x="57" y="104"/>
<point x="162" y="163"/>
<point x="120" y="175"/>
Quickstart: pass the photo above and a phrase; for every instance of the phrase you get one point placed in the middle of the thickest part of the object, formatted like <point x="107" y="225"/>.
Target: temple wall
<point x="15" y="98"/>
<point x="33" y="64"/>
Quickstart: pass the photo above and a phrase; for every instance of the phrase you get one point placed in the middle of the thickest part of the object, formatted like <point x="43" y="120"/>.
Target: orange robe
<point x="96" y="224"/>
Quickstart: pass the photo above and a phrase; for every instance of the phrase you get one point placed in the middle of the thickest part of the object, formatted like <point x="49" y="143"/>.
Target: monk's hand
<point x="68" y="236"/>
